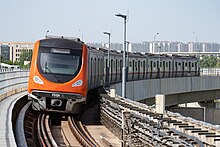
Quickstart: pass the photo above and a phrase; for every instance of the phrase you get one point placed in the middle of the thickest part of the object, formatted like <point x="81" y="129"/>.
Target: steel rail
<point x="79" y="132"/>
<point x="44" y="132"/>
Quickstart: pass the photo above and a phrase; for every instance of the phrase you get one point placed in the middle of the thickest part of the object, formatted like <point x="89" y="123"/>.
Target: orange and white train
<point x="64" y="69"/>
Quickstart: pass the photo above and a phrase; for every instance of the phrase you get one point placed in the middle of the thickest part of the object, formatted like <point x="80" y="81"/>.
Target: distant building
<point x="12" y="50"/>
<point x="5" y="51"/>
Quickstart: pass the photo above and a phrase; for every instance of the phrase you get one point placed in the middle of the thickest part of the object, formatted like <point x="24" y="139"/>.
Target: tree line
<point x="209" y="62"/>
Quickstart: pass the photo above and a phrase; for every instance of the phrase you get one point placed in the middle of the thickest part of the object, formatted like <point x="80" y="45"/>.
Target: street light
<point x="47" y="33"/>
<point x="196" y="51"/>
<point x="108" y="66"/>
<point x="158" y="53"/>
<point x="196" y="43"/>
<point x="124" y="60"/>
<point x="154" y="39"/>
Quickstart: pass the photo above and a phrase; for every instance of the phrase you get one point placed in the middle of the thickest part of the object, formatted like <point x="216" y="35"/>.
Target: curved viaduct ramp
<point x="177" y="90"/>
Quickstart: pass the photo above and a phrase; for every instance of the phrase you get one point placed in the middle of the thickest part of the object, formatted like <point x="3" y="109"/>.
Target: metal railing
<point x="12" y="82"/>
<point x="210" y="71"/>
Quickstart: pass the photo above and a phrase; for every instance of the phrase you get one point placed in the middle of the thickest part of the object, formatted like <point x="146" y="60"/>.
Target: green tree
<point x="25" y="56"/>
<point x="208" y="62"/>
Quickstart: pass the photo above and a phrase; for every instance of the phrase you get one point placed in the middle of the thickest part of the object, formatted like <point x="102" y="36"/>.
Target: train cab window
<point x="51" y="63"/>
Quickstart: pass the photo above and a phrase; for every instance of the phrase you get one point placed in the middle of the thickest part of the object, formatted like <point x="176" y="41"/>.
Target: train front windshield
<point x="59" y="65"/>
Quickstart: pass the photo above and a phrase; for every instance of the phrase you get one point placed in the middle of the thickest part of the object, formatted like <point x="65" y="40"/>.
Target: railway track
<point x="51" y="130"/>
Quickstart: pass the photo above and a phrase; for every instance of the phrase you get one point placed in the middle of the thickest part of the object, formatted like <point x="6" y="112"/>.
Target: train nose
<point x="56" y="102"/>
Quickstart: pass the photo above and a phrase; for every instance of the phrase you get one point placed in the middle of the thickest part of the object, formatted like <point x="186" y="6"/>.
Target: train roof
<point x="63" y="37"/>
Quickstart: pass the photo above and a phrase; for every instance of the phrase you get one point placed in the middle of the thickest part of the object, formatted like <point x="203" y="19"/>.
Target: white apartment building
<point x="15" y="49"/>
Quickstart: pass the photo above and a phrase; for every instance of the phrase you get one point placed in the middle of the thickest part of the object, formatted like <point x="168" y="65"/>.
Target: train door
<point x="144" y="66"/>
<point x="138" y="70"/>
<point x="176" y="68"/>
<point x="120" y="69"/>
<point x="97" y="72"/>
<point x="116" y="69"/>
<point x="111" y="70"/>
<point x="196" y="68"/>
<point x="107" y="71"/>
<point x="169" y="72"/>
<point x="190" y="65"/>
<point x="164" y="67"/>
<point x="91" y="73"/>
<point x="183" y="68"/>
<point x="151" y="69"/>
<point x="133" y="70"/>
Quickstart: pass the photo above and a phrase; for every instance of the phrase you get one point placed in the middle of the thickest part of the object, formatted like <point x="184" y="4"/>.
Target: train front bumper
<point x="56" y="101"/>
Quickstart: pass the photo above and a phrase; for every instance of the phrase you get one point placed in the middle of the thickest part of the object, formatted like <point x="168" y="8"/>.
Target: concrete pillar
<point x="160" y="103"/>
<point x="126" y="128"/>
<point x="112" y="91"/>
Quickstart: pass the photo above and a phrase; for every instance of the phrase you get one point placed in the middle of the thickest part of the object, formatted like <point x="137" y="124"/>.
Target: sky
<point x="175" y="20"/>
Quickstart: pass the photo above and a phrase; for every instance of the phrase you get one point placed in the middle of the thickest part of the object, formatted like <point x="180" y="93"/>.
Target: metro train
<point x="63" y="70"/>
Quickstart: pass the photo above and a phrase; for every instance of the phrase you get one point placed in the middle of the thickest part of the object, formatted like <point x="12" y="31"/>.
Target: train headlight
<point x="77" y="83"/>
<point x="38" y="80"/>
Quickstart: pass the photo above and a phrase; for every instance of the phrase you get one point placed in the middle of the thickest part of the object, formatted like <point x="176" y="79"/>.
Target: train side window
<point x="154" y="64"/>
<point x="192" y="64"/>
<point x="106" y="63"/>
<point x="98" y="70"/>
<point x="130" y="66"/>
<point x="91" y="71"/>
<point x="101" y="67"/>
<point x="138" y="66"/>
<point x="94" y="71"/>
<point x="157" y="64"/>
<point x="186" y="64"/>
<point x="135" y="65"/>
<point x="111" y="69"/>
<point x="120" y="69"/>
